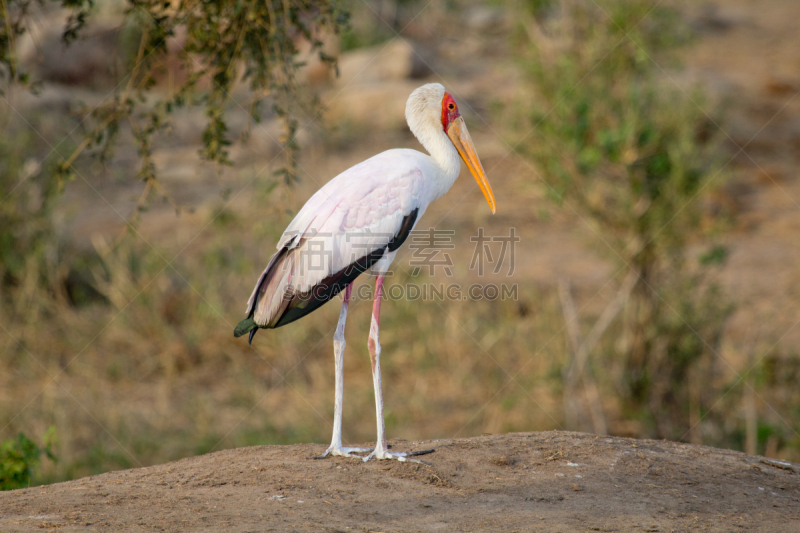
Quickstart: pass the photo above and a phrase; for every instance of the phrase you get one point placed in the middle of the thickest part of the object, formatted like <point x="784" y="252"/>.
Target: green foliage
<point x="539" y="8"/>
<point x="715" y="256"/>
<point x="19" y="459"/>
<point x="224" y="43"/>
<point x="621" y="146"/>
<point x="609" y="135"/>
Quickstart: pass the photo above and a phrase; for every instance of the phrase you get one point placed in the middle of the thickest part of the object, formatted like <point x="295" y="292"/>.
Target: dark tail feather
<point x="248" y="324"/>
<point x="252" y="334"/>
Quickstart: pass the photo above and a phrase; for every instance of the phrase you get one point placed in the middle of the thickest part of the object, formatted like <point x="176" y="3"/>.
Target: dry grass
<point x="143" y="367"/>
<point x="154" y="373"/>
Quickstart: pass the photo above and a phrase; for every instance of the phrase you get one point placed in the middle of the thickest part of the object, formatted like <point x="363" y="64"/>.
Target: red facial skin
<point x="449" y="111"/>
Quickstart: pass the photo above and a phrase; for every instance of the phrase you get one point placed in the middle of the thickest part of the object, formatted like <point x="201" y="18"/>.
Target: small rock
<point x="400" y="59"/>
<point x="502" y="461"/>
<point x="381" y="106"/>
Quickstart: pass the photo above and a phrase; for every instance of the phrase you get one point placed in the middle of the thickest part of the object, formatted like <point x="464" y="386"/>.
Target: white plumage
<point x="356" y="222"/>
<point x="353" y="215"/>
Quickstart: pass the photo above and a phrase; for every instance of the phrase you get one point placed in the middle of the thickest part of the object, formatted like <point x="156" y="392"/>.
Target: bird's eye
<point x="451" y="107"/>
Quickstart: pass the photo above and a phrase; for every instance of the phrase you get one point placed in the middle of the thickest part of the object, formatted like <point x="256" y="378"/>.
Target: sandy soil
<point x="551" y="481"/>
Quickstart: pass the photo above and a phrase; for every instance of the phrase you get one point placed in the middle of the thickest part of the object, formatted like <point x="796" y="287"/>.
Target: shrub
<point x="19" y="459"/>
<point x="623" y="148"/>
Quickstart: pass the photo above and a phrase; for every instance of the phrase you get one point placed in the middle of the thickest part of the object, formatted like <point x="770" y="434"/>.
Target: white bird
<point x="356" y="222"/>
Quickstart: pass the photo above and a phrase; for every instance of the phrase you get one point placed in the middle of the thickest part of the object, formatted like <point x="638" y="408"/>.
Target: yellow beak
<point x="463" y="142"/>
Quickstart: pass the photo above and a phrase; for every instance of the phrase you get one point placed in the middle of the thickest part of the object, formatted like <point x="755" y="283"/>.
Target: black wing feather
<point x="303" y="303"/>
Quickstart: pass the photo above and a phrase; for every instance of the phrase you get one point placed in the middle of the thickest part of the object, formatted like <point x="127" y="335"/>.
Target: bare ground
<point x="549" y="481"/>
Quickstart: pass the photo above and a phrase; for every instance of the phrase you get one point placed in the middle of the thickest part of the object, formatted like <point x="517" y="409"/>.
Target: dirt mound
<point x="552" y="481"/>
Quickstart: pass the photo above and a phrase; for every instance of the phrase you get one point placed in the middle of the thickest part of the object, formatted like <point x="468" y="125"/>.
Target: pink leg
<point x="381" y="448"/>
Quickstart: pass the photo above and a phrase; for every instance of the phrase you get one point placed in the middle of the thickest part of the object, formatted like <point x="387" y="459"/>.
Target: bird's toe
<point x="398" y="456"/>
<point x="343" y="451"/>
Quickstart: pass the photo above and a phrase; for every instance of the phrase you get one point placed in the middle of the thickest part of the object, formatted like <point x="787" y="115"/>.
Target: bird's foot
<point x="343" y="451"/>
<point x="398" y="456"/>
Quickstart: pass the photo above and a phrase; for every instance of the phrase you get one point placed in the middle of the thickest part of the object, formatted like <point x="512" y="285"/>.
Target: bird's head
<point x="431" y="110"/>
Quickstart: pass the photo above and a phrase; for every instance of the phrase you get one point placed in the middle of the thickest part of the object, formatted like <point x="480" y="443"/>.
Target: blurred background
<point x="644" y="152"/>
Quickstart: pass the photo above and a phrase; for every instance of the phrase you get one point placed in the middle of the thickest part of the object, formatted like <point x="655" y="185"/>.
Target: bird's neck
<point x="446" y="157"/>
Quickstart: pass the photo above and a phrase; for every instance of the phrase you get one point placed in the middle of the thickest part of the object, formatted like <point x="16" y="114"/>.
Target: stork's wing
<point x="344" y="229"/>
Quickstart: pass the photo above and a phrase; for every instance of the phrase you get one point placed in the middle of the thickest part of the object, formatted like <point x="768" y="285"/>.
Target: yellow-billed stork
<point x="356" y="222"/>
